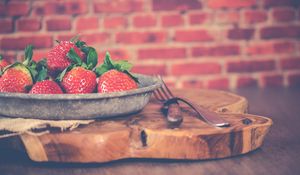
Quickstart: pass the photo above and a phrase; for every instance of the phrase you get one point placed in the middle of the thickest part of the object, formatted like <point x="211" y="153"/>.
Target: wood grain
<point x="146" y="135"/>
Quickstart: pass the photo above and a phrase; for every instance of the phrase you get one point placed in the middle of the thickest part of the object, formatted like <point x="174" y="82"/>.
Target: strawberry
<point x="79" y="78"/>
<point x="3" y="63"/>
<point x="115" y="76"/>
<point x="114" y="81"/>
<point x="46" y="87"/>
<point x="18" y="76"/>
<point x="79" y="81"/>
<point x="57" y="59"/>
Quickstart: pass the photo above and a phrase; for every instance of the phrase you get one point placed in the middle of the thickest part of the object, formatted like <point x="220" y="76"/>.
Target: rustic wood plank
<point x="146" y="134"/>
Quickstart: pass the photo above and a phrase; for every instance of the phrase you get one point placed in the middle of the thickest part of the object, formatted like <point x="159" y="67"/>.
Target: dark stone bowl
<point x="78" y="106"/>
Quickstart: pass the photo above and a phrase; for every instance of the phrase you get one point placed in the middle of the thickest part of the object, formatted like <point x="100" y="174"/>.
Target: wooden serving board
<point x="146" y="135"/>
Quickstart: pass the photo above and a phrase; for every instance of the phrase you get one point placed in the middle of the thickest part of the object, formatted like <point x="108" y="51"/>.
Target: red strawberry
<point x="18" y="76"/>
<point x="79" y="81"/>
<point x="16" y="79"/>
<point x="114" y="81"/>
<point x="3" y="63"/>
<point x="115" y="76"/>
<point x="57" y="59"/>
<point x="46" y="87"/>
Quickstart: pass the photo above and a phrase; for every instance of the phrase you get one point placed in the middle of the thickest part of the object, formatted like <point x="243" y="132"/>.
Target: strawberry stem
<point x="28" y="55"/>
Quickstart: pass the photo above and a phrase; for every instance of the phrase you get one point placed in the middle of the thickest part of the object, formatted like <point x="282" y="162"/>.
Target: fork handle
<point x="209" y="116"/>
<point x="174" y="116"/>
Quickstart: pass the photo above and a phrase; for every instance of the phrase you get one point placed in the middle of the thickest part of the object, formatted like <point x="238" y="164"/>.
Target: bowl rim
<point x="156" y="84"/>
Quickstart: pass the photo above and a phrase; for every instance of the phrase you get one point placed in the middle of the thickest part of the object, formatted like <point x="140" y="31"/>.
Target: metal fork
<point x="174" y="116"/>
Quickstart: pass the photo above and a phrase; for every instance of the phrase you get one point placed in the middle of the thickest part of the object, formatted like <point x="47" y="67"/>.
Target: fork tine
<point x="165" y="92"/>
<point x="165" y="88"/>
<point x="161" y="94"/>
<point x="155" y="93"/>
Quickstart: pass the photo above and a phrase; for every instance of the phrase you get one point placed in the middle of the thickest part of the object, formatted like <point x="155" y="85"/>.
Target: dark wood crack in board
<point x="145" y="135"/>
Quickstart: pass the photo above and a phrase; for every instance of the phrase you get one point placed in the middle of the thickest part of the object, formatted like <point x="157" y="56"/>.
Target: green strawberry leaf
<point x="33" y="72"/>
<point x="74" y="57"/>
<point x="85" y="49"/>
<point x="63" y="73"/>
<point x="1" y="57"/>
<point x="42" y="74"/>
<point x="108" y="61"/>
<point x="101" y="69"/>
<point x="42" y="63"/>
<point x="132" y="76"/>
<point x="28" y="55"/>
<point x="92" y="58"/>
<point x="80" y="44"/>
<point x="41" y="67"/>
<point x="123" y="65"/>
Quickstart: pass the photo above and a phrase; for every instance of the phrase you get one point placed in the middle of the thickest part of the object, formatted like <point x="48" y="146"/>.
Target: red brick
<point x="140" y="37"/>
<point x="227" y="17"/>
<point x="170" y="83"/>
<point x="28" y="24"/>
<point x="116" y="54"/>
<point x="193" y="35"/>
<point x="113" y="22"/>
<point x="198" y="18"/>
<point x="87" y="23"/>
<point x="150" y="69"/>
<point x="272" y="80"/>
<point x="118" y="6"/>
<point x="284" y="14"/>
<point x="266" y="48"/>
<point x="72" y="7"/>
<point x="38" y="55"/>
<point x="19" y="43"/>
<point x="196" y="68"/>
<point x="221" y="50"/>
<point x="240" y="34"/>
<point x="216" y="4"/>
<point x="89" y="38"/>
<point x="171" y="20"/>
<point x="179" y="5"/>
<point x="6" y="26"/>
<point x="246" y="82"/>
<point x="290" y="31"/>
<point x="192" y="84"/>
<point x="250" y="66"/>
<point x="144" y="21"/>
<point x="273" y="3"/>
<point x="17" y="8"/>
<point x="290" y="63"/>
<point x="59" y="24"/>
<point x="163" y="53"/>
<point x="294" y="80"/>
<point x="219" y="83"/>
<point x="255" y="16"/>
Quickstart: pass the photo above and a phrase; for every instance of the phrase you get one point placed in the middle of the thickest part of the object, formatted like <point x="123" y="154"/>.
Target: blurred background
<point x="215" y="44"/>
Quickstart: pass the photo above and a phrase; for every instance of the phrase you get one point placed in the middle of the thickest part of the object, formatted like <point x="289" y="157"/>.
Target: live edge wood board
<point x="146" y="134"/>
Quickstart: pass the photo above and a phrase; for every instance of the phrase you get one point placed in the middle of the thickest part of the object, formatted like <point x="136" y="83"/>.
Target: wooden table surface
<point x="280" y="153"/>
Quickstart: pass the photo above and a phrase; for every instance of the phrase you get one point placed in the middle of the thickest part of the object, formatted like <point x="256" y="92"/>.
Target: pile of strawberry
<point x="70" y="67"/>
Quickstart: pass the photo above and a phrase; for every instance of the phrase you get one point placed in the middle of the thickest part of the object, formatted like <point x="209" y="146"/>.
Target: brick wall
<point x="192" y="43"/>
